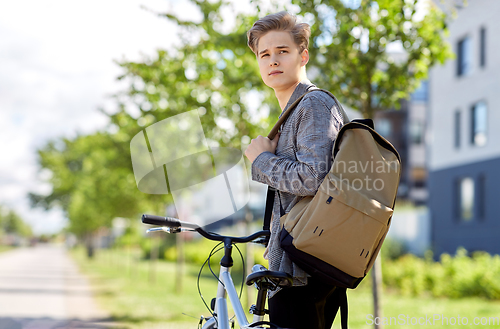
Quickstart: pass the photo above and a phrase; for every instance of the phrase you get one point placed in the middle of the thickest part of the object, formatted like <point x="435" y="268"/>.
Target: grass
<point x="5" y="248"/>
<point x="127" y="289"/>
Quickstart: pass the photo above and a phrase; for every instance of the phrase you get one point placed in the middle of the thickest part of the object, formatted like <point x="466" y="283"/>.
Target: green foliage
<point x="455" y="277"/>
<point x="163" y="243"/>
<point x="349" y="51"/>
<point x="131" y="237"/>
<point x="196" y="252"/>
<point x="215" y="74"/>
<point x="92" y="181"/>
<point x="393" y="249"/>
<point x="12" y="223"/>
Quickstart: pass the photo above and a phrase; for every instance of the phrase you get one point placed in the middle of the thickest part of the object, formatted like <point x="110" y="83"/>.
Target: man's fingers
<point x="257" y="138"/>
<point x="274" y="141"/>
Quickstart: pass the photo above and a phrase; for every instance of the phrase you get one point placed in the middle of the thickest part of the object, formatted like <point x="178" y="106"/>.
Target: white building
<point x="464" y="142"/>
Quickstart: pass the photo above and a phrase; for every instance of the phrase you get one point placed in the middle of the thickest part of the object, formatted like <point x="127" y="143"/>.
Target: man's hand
<point x="259" y="145"/>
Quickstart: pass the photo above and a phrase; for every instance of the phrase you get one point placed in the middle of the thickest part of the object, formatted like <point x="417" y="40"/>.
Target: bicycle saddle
<point x="277" y="279"/>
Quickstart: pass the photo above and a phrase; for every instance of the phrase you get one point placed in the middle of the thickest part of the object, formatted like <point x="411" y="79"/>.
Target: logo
<point x="173" y="157"/>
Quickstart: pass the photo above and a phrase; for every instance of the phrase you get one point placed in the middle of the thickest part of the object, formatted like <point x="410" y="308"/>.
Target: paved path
<point x="41" y="288"/>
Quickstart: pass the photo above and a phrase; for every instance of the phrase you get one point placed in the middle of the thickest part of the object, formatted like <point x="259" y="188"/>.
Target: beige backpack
<point x="337" y="234"/>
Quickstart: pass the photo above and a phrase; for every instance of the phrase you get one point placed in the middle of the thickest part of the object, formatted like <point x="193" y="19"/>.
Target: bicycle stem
<point x="227" y="259"/>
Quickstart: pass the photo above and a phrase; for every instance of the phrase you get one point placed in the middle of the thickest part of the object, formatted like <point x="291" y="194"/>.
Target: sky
<point x="56" y="69"/>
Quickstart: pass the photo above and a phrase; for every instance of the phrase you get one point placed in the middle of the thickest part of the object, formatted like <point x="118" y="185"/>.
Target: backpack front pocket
<point x="341" y="226"/>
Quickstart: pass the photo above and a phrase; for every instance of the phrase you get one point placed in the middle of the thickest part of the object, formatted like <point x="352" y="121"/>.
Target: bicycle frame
<point x="226" y="287"/>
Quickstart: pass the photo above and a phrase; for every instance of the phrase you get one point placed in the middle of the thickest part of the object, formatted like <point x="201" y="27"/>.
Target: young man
<point x="295" y="162"/>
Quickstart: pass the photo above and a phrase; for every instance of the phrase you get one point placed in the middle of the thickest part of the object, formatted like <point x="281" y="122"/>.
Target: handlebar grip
<point x="160" y="221"/>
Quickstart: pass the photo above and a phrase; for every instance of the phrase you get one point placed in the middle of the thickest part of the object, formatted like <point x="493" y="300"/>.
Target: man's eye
<point x="264" y="55"/>
<point x="284" y="51"/>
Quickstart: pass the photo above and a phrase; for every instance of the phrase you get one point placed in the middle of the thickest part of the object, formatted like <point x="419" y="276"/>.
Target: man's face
<point x="279" y="60"/>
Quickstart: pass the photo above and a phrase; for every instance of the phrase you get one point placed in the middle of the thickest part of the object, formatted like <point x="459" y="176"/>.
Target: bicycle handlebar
<point x="176" y="223"/>
<point x="161" y="221"/>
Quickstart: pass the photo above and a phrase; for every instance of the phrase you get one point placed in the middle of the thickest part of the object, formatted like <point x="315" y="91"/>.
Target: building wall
<point x="449" y="93"/>
<point x="449" y="163"/>
<point x="412" y="227"/>
<point x="449" y="231"/>
<point x="391" y="124"/>
<point x="417" y="157"/>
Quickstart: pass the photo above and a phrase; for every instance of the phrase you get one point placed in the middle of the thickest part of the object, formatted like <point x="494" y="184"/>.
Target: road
<point x="41" y="288"/>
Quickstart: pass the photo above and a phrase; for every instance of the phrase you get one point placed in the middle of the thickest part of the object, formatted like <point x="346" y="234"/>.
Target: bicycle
<point x="262" y="278"/>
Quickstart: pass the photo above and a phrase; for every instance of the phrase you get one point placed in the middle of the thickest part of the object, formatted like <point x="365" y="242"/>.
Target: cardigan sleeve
<point x="313" y="131"/>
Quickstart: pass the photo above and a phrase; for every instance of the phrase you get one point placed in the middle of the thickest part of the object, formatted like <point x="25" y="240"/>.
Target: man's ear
<point x="305" y="57"/>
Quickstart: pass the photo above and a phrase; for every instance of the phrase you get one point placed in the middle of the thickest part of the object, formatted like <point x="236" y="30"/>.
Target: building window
<point x="417" y="132"/>
<point x="463" y="57"/>
<point x="482" y="49"/>
<point x="384" y="127"/>
<point x="457" y="129"/>
<point x="421" y="93"/>
<point x="466" y="199"/>
<point x="479" y="121"/>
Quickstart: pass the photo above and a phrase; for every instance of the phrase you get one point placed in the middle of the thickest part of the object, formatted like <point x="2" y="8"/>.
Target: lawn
<point x="141" y="295"/>
<point x="5" y="248"/>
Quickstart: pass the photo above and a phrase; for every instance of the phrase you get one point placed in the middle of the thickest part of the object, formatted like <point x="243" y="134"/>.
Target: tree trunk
<point x="89" y="244"/>
<point x="377" y="289"/>
<point x="152" y="259"/>
<point x="179" y="240"/>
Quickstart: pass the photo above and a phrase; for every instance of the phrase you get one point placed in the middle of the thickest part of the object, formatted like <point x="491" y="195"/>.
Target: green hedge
<point x="461" y="275"/>
<point x="453" y="276"/>
<point x="197" y="251"/>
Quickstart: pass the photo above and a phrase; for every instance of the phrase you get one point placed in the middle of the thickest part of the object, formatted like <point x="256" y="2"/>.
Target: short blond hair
<point x="281" y="21"/>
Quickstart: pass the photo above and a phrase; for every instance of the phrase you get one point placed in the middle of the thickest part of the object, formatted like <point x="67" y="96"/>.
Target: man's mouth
<point x="275" y="72"/>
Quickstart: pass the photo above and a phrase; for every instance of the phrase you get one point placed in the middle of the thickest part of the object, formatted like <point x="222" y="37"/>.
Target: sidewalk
<point x="41" y="288"/>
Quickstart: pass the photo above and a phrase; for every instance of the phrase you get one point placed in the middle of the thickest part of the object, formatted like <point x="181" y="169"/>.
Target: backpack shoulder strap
<point x="284" y="116"/>
<point x="292" y="107"/>
<point x="269" y="208"/>
<point x="343" y="307"/>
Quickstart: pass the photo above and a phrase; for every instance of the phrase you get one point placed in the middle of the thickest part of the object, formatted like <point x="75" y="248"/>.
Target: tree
<point x="350" y="52"/>
<point x="213" y="69"/>
<point x="12" y="223"/>
<point x="92" y="182"/>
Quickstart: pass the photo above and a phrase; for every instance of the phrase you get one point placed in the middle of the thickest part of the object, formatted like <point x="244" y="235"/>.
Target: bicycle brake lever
<point x="262" y="240"/>
<point x="166" y="229"/>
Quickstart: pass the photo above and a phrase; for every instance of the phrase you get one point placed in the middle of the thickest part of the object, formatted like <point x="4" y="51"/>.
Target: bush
<point x="393" y="249"/>
<point x="455" y="277"/>
<point x="195" y="251"/>
<point x="165" y="242"/>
